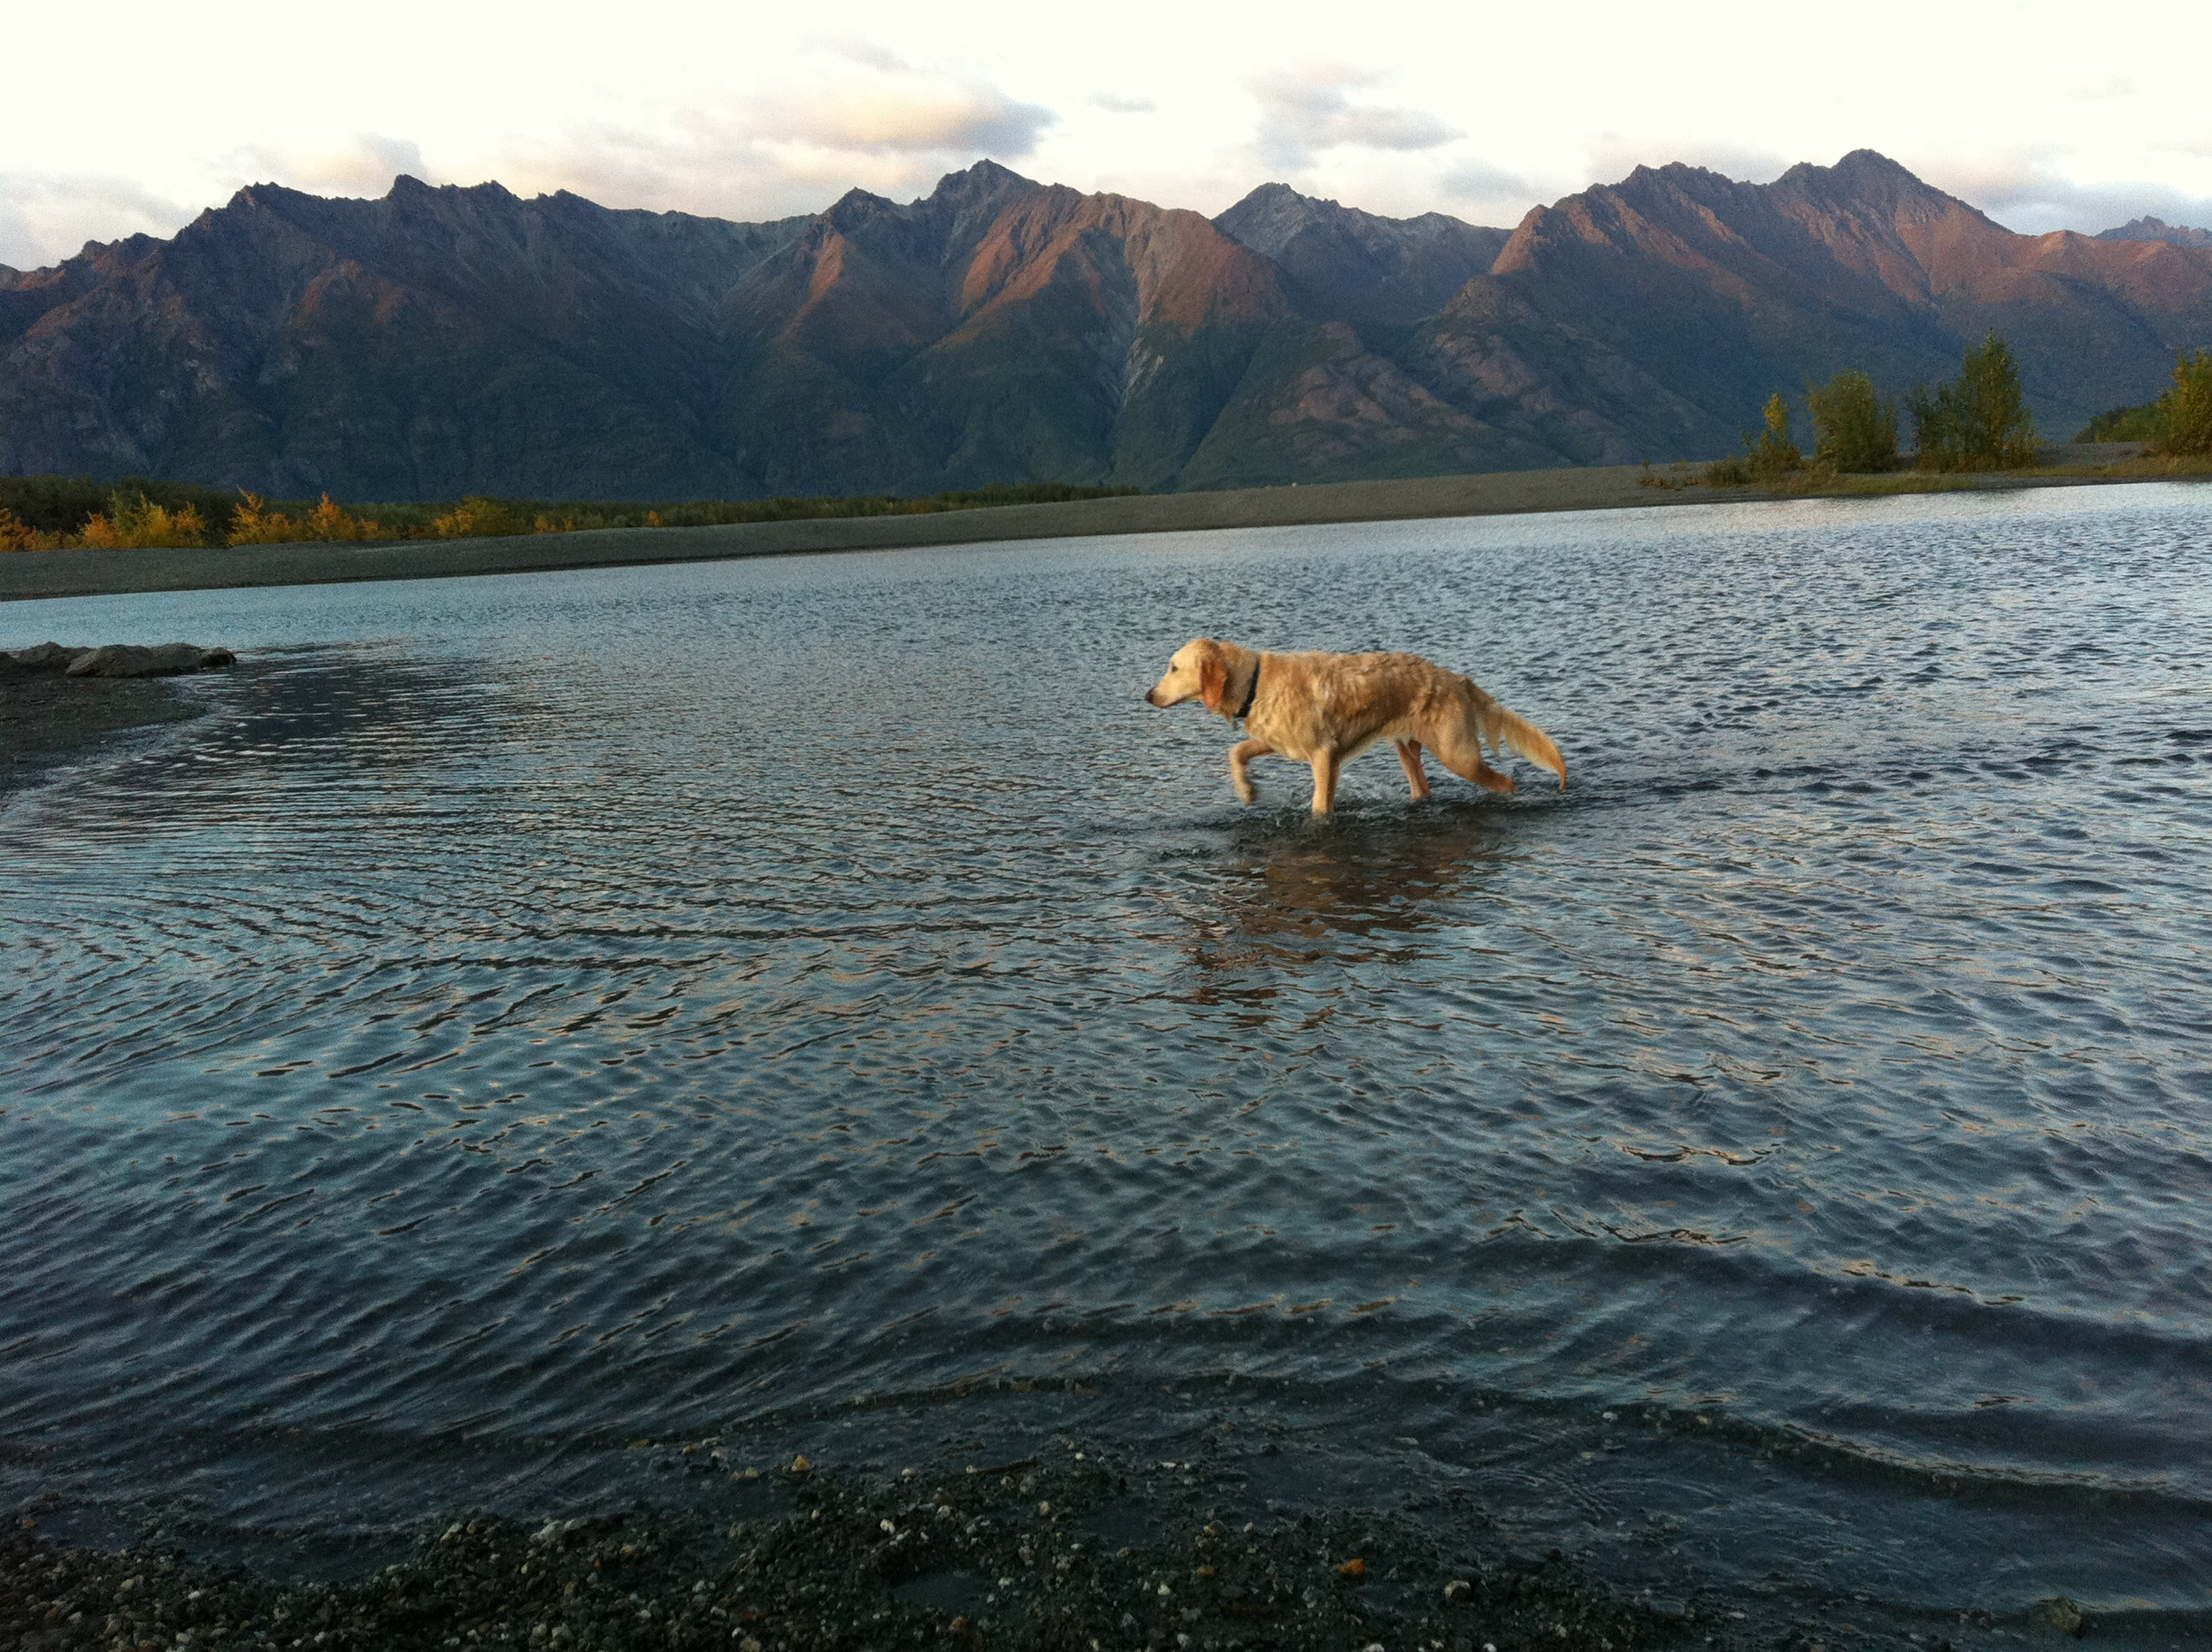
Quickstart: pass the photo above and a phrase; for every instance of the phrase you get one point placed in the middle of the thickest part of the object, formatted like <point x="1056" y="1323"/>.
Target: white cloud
<point x="47" y="217"/>
<point x="2026" y="189"/>
<point x="1308" y="108"/>
<point x="364" y="162"/>
<point x="756" y="111"/>
<point x="2094" y="88"/>
<point x="1476" y="180"/>
<point x="871" y="121"/>
<point x="868" y="53"/>
<point x="904" y="113"/>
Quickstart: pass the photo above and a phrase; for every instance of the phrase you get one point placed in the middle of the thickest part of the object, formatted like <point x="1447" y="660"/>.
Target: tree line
<point x="1979" y="421"/>
<point x="2179" y="422"/>
<point x="77" y="512"/>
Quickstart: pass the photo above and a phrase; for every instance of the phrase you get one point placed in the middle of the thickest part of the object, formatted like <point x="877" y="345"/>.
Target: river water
<point x="815" y="999"/>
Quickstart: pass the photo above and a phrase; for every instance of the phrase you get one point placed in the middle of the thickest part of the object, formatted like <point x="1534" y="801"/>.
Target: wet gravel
<point x="1061" y="1550"/>
<point x="47" y="719"/>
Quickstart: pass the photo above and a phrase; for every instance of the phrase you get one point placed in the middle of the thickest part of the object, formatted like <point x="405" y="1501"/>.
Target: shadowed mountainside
<point x="436" y="340"/>
<point x="446" y="340"/>
<point x="1647" y="318"/>
<point x="440" y="342"/>
<point x="1348" y="266"/>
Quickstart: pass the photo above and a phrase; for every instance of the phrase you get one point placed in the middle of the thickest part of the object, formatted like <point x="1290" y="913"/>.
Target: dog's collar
<point x="1252" y="694"/>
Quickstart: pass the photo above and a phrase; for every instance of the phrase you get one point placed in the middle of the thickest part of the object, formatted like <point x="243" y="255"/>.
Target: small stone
<point x="799" y="1464"/>
<point x="2057" y="1613"/>
<point x="1458" y="1591"/>
<point x="1352" y="1568"/>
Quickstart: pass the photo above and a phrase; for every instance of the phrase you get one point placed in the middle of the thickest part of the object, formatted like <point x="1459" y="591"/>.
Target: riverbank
<point x="49" y="719"/>
<point x="31" y="575"/>
<point x="1064" y="1548"/>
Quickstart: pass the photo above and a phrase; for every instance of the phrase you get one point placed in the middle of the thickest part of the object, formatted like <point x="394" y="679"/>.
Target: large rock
<point x="128" y="659"/>
<point x="45" y="656"/>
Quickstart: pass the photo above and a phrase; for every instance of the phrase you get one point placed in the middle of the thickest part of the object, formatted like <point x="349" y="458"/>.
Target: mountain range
<point x="445" y="341"/>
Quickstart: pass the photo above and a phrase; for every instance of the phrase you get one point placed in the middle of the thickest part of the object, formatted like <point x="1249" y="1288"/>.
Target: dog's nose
<point x="1149" y="700"/>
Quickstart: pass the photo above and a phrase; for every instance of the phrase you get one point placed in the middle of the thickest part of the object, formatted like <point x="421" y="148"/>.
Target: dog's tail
<point x="1510" y="729"/>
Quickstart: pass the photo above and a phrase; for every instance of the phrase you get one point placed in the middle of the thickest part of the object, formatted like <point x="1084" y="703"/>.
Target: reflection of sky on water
<point x="609" y="1003"/>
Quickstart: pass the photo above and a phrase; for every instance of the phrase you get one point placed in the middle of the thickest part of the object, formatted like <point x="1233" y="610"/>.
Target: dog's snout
<point x="1152" y="696"/>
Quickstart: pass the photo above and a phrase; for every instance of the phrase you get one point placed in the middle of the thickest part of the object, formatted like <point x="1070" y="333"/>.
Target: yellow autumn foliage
<point x="139" y="524"/>
<point x="253" y="523"/>
<point x="17" y="534"/>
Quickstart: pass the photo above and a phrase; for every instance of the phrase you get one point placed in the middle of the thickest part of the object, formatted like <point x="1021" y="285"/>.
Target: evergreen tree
<point x="1978" y="422"/>
<point x="2184" y="412"/>
<point x="1855" y="429"/>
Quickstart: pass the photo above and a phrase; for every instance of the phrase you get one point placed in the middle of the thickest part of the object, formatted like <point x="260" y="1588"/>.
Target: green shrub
<point x="1855" y="429"/>
<point x="63" y="504"/>
<point x="2184" y="412"/>
<point x="2123" y="424"/>
<point x="1980" y="421"/>
<point x="1773" y="454"/>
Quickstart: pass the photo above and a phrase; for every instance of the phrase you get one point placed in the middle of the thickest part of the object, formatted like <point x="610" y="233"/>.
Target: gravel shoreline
<point x="47" y="720"/>
<point x="35" y="575"/>
<point x="1063" y="1550"/>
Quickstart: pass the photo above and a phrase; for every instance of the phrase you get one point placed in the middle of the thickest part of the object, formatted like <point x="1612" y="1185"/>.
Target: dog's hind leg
<point x="1460" y="751"/>
<point x="1409" y="755"/>
<point x="1327" y="763"/>
<point x="1240" y="776"/>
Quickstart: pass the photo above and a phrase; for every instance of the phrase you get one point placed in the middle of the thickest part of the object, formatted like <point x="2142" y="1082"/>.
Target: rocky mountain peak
<point x="2157" y="229"/>
<point x="1357" y="266"/>
<point x="984" y="182"/>
<point x="440" y="340"/>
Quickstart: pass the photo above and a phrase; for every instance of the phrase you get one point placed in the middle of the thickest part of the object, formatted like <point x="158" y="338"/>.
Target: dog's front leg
<point x="1325" y="764"/>
<point x="1240" y="776"/>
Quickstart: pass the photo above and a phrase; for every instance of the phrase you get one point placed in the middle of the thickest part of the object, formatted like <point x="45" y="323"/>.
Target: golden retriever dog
<point x="1324" y="709"/>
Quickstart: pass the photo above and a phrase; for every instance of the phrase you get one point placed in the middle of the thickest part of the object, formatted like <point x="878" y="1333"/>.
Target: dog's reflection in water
<point x="1365" y="889"/>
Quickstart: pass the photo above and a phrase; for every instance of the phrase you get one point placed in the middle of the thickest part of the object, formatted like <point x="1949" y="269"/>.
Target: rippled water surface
<point x="816" y="998"/>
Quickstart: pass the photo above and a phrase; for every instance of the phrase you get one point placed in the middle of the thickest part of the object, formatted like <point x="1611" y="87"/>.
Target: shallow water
<point x="816" y="1000"/>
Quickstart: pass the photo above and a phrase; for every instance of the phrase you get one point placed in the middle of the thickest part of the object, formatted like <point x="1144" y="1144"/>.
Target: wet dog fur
<point x="1326" y="709"/>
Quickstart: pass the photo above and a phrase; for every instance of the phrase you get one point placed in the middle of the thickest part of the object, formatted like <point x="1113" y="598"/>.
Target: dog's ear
<point x="1213" y="680"/>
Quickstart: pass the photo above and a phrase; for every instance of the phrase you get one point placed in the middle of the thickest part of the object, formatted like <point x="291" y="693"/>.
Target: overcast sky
<point x="137" y="115"/>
